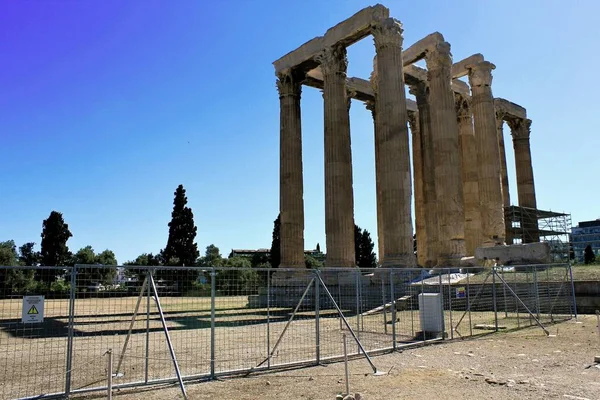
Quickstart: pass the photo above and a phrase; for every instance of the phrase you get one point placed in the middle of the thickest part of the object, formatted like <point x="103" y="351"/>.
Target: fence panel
<point x="33" y="354"/>
<point x="227" y="320"/>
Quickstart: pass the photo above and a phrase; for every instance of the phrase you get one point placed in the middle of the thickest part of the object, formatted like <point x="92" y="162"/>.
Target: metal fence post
<point x="442" y="305"/>
<point x="357" y="307"/>
<point x="393" y="303"/>
<point x="70" y="331"/>
<point x="148" y="272"/>
<point x="317" y="309"/>
<point x="574" y="305"/>
<point x="494" y="298"/>
<point x="213" y="294"/>
<point x="268" y="319"/>
<point x="450" y="307"/>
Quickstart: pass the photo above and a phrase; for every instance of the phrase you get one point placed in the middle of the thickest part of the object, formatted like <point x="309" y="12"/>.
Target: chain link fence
<point x="172" y="324"/>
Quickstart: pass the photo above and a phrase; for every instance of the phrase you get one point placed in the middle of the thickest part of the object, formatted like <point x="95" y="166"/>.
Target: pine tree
<point x="318" y="248"/>
<point x="588" y="255"/>
<point x="55" y="234"/>
<point x="181" y="248"/>
<point x="357" y="244"/>
<point x="367" y="253"/>
<point x="275" y="253"/>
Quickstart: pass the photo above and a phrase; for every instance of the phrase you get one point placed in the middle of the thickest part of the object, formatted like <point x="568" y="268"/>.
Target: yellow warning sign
<point x="33" y="309"/>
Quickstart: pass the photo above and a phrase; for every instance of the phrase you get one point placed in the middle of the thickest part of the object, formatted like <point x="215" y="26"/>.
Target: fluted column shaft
<point x="291" y="202"/>
<point x="448" y="174"/>
<point x="468" y="156"/>
<point x="339" y="200"/>
<point x="503" y="172"/>
<point x="521" y="130"/>
<point x="490" y="185"/>
<point x="380" y="236"/>
<point x="421" y="93"/>
<point x="392" y="135"/>
<point x="417" y="153"/>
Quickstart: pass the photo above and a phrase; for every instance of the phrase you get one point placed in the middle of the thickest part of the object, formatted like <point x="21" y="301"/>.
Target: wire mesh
<point x="165" y="322"/>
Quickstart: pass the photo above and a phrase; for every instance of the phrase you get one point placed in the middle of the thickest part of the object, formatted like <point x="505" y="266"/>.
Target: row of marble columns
<point x="456" y="160"/>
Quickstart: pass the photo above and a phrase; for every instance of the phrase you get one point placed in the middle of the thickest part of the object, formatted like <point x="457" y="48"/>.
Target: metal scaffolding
<point x="525" y="224"/>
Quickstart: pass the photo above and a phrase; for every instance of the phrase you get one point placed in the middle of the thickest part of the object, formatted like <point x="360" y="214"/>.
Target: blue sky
<point x="106" y="106"/>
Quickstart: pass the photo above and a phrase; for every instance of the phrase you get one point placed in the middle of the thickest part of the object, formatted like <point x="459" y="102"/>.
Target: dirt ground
<point x="523" y="364"/>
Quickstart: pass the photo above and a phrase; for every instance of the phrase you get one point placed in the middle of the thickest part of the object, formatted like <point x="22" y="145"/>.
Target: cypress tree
<point x="54" y="250"/>
<point x="275" y="253"/>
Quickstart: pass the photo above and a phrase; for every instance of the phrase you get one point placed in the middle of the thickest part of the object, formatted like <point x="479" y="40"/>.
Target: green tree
<point x="364" y="248"/>
<point x="588" y="255"/>
<point x="367" y="258"/>
<point x="275" y="253"/>
<point x="28" y="256"/>
<point x="237" y="277"/>
<point x="146" y="260"/>
<point x="55" y="234"/>
<point x="181" y="249"/>
<point x="212" y="257"/>
<point x="311" y="262"/>
<point x="318" y="248"/>
<point x="13" y="280"/>
<point x="87" y="275"/>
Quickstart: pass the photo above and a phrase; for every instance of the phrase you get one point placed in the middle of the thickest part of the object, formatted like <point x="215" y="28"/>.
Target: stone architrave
<point x="468" y="156"/>
<point x="339" y="200"/>
<point x="420" y="212"/>
<point x="503" y="172"/>
<point x="380" y="238"/>
<point x="421" y="93"/>
<point x="521" y="131"/>
<point x="448" y="170"/>
<point x="291" y="203"/>
<point x="488" y="160"/>
<point x="392" y="136"/>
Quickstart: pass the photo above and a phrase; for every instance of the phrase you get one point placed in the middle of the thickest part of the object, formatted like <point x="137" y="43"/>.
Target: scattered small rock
<point x="311" y="378"/>
<point x="339" y="397"/>
<point x="491" y="381"/>
<point x="511" y="382"/>
<point x="349" y="397"/>
<point x="523" y="381"/>
<point x="268" y="383"/>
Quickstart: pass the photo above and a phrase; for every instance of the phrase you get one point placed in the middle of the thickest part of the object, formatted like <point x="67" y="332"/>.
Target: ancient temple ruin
<point x="460" y="180"/>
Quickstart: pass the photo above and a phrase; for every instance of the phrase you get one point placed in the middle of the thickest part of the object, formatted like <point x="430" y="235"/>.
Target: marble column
<point x="380" y="238"/>
<point x="417" y="153"/>
<point x="291" y="202"/>
<point x="504" y="175"/>
<point x="521" y="130"/>
<point x="448" y="171"/>
<point x="339" y="200"/>
<point x="486" y="135"/>
<point x="468" y="156"/>
<point x="392" y="135"/>
<point x="421" y="93"/>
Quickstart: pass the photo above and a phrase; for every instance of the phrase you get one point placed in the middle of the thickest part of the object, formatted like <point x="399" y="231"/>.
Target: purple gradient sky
<point x="106" y="106"/>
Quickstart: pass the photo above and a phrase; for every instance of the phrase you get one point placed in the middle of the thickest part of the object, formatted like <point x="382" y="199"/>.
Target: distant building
<point x="248" y="253"/>
<point x="586" y="233"/>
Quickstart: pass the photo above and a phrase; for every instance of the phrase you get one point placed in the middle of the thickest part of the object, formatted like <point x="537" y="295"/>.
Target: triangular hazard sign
<point x="32" y="310"/>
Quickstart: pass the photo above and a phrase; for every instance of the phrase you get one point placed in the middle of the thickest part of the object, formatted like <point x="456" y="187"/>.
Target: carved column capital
<point x="463" y="106"/>
<point x="520" y="129"/>
<point x="413" y="121"/>
<point x="350" y="94"/>
<point x="387" y="33"/>
<point x="420" y="91"/>
<point x="288" y="84"/>
<point x="500" y="117"/>
<point x="370" y="105"/>
<point x="333" y="60"/>
<point x="438" y="56"/>
<point x="480" y="74"/>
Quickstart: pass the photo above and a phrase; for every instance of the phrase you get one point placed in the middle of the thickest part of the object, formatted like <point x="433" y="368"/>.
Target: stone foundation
<point x="516" y="254"/>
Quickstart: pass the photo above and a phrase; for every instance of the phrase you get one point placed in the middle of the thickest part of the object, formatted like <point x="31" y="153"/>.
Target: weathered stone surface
<point x="345" y="33"/>
<point x="339" y="197"/>
<point x="521" y="130"/>
<point x="470" y="178"/>
<point x="447" y="163"/>
<point x="418" y="49"/>
<point x="459" y="69"/>
<point x="420" y="211"/>
<point x="503" y="171"/>
<point x="486" y="135"/>
<point x="516" y="254"/>
<point x="380" y="232"/>
<point x="392" y="135"/>
<point x="291" y="203"/>
<point x="416" y="74"/>
<point x="509" y="108"/>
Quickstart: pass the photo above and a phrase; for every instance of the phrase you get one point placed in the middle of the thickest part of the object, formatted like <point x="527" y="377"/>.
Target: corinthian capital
<point x="333" y="60"/>
<point x="439" y="56"/>
<point x="288" y="84"/>
<point x="387" y="33"/>
<point x="519" y="128"/>
<point x="462" y="106"/>
<point x="420" y="90"/>
<point x="480" y="74"/>
<point x="413" y="122"/>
